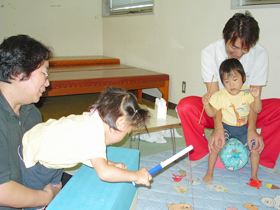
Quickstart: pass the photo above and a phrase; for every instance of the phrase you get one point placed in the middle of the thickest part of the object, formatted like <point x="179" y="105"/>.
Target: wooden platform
<point x="83" y="60"/>
<point x="91" y="74"/>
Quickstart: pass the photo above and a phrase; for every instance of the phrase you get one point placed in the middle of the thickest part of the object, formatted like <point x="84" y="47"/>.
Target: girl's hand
<point x="121" y="165"/>
<point x="206" y="98"/>
<point x="118" y="165"/>
<point x="144" y="177"/>
<point x="255" y="91"/>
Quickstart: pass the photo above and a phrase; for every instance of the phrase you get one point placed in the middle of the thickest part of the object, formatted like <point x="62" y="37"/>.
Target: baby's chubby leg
<point x="210" y="171"/>
<point x="211" y="164"/>
<point x="255" y="159"/>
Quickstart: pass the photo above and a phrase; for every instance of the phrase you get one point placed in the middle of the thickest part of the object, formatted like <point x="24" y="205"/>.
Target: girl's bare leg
<point x="255" y="159"/>
<point x="211" y="164"/>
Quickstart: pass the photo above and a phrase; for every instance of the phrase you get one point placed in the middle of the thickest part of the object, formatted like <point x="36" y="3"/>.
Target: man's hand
<point x="217" y="140"/>
<point x="259" y="144"/>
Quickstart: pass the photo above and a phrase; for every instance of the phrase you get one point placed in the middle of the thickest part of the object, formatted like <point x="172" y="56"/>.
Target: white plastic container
<point x="160" y="108"/>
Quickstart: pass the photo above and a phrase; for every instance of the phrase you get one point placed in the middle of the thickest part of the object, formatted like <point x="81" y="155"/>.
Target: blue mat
<point x="201" y="197"/>
<point x="86" y="191"/>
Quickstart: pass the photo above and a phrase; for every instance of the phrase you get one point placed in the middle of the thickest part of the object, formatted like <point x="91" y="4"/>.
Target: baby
<point x="235" y="106"/>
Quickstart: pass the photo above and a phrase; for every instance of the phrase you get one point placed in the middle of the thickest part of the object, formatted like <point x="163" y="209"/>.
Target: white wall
<point x="71" y="27"/>
<point x="170" y="41"/>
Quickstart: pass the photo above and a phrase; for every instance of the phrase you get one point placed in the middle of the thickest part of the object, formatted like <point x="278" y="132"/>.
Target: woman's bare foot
<point x="208" y="177"/>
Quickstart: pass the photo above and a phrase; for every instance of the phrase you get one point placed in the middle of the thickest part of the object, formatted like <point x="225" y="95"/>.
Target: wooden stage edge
<point x="79" y="81"/>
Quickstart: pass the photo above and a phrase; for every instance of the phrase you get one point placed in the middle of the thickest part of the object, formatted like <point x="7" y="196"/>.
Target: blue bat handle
<point x="155" y="169"/>
<point x="152" y="171"/>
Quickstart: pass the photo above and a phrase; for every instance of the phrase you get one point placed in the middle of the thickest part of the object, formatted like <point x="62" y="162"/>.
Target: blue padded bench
<point x="86" y="191"/>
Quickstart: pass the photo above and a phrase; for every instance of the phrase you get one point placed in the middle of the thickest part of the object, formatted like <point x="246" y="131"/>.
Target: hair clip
<point x="136" y="111"/>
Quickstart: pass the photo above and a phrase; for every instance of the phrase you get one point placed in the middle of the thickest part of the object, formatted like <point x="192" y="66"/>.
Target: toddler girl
<point x="56" y="144"/>
<point x="235" y="106"/>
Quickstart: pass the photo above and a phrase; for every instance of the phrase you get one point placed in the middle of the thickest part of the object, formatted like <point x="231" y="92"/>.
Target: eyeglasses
<point x="45" y="73"/>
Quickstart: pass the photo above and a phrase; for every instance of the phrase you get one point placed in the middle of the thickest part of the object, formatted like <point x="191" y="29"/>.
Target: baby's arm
<point x="257" y="104"/>
<point x="110" y="173"/>
<point x="209" y="109"/>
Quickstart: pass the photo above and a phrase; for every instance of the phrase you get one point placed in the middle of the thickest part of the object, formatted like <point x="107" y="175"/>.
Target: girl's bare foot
<point x="208" y="177"/>
<point x="256" y="178"/>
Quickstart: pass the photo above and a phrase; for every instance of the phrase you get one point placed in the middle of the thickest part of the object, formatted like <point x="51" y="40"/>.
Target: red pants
<point x="189" y="110"/>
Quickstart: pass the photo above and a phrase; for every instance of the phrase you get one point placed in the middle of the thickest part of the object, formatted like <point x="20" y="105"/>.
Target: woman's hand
<point x="52" y="191"/>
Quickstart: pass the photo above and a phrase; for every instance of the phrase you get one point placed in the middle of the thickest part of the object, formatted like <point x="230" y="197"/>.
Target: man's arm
<point x="252" y="129"/>
<point x="15" y="195"/>
<point x="214" y="87"/>
<point x="217" y="138"/>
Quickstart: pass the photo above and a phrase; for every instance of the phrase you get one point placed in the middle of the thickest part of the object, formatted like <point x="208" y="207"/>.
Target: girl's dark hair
<point x="117" y="102"/>
<point x="228" y="66"/>
<point x="21" y="54"/>
<point x="242" y="26"/>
